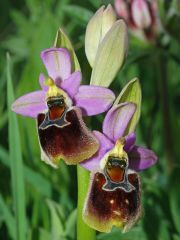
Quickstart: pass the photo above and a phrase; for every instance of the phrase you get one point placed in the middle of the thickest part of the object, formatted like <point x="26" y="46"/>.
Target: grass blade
<point x="7" y="217"/>
<point x="17" y="176"/>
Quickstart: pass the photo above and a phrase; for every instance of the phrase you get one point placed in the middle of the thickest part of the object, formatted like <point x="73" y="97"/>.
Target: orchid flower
<point x="114" y="194"/>
<point x="58" y="109"/>
<point x="141" y="17"/>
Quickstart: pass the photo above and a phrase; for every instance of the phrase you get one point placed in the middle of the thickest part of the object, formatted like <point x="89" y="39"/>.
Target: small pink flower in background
<point x="140" y="15"/>
<point x="122" y="9"/>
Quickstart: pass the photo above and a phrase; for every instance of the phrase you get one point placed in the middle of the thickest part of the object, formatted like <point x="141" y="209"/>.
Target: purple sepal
<point x="130" y="141"/>
<point x="57" y="62"/>
<point x="117" y="120"/>
<point x="141" y="158"/>
<point x="31" y="104"/>
<point x="71" y="84"/>
<point x="93" y="100"/>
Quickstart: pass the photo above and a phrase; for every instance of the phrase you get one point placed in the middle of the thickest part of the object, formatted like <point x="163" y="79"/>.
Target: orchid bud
<point x="109" y="17"/>
<point x="96" y="30"/>
<point x="141" y="14"/>
<point x="122" y="9"/>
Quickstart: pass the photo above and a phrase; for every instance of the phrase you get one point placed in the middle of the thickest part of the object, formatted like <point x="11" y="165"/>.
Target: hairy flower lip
<point x="72" y="143"/>
<point x="103" y="209"/>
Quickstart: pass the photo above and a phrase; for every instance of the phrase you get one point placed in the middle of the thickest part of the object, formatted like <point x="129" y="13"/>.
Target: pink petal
<point x="71" y="84"/>
<point x="104" y="146"/>
<point x="41" y="82"/>
<point x="57" y="62"/>
<point x="31" y="104"/>
<point x="130" y="141"/>
<point x="141" y="14"/>
<point x="141" y="158"/>
<point x="94" y="99"/>
<point x="117" y="120"/>
<point x="122" y="9"/>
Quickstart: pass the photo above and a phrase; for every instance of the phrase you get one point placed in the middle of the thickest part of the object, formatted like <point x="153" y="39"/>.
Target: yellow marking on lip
<point x="117" y="151"/>
<point x="49" y="82"/>
<point x="118" y="148"/>
<point x="53" y="90"/>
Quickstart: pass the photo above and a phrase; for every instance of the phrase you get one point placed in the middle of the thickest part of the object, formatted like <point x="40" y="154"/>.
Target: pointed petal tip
<point x="30" y="105"/>
<point x="53" y="49"/>
<point x="141" y="158"/>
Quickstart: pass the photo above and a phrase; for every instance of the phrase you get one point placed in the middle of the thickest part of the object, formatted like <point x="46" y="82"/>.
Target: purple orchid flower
<point x="114" y="193"/>
<point x="58" y="108"/>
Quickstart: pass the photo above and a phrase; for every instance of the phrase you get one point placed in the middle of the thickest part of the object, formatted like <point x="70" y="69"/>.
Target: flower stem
<point x="163" y="91"/>
<point x="83" y="231"/>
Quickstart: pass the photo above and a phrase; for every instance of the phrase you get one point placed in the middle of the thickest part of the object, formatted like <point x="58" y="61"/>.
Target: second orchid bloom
<point x="114" y="197"/>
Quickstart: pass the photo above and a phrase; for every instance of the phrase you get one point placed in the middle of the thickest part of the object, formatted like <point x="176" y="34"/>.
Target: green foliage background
<point x="49" y="198"/>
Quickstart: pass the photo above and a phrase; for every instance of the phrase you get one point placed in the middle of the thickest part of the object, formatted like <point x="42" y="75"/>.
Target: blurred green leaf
<point x="57" y="228"/>
<point x="8" y="218"/>
<point x="16" y="164"/>
<point x="17" y="46"/>
<point x="164" y="231"/>
<point x="176" y="237"/>
<point x="81" y="14"/>
<point x="44" y="234"/>
<point x="110" y="55"/>
<point x="175" y="199"/>
<point x="71" y="225"/>
<point x="32" y="177"/>
<point x="62" y="41"/>
<point x="161" y="9"/>
<point x="4" y="117"/>
<point x="172" y="26"/>
<point x="96" y="3"/>
<point x="131" y="93"/>
<point x="135" y="233"/>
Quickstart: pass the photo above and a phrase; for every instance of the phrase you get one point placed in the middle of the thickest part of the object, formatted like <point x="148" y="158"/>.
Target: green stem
<point x="83" y="231"/>
<point x="164" y="101"/>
